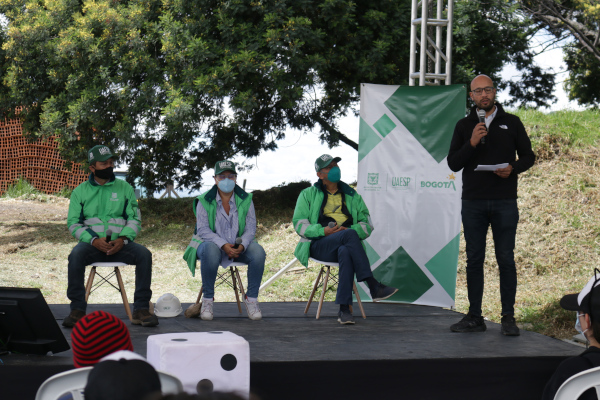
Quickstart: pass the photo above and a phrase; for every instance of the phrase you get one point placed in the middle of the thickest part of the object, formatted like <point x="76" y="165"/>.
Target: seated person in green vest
<point x="101" y="204"/>
<point x="224" y="215"/>
<point x="332" y="201"/>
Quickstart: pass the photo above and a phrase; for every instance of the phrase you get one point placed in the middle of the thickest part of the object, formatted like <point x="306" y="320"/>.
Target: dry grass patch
<point x="557" y="244"/>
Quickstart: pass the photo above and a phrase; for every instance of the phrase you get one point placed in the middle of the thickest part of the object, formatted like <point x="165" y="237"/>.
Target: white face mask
<point x="578" y="327"/>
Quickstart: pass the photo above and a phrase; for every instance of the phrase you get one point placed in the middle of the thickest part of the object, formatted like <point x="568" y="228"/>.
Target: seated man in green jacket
<point x="225" y="230"/>
<point x="332" y="201"/>
<point x="97" y="206"/>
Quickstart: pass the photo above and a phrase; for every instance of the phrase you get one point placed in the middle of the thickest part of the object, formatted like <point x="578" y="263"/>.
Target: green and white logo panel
<point x="412" y="195"/>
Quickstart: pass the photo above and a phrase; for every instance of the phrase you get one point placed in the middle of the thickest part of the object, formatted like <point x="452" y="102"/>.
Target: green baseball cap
<point x="99" y="153"/>
<point x="224" y="165"/>
<point x="324" y="161"/>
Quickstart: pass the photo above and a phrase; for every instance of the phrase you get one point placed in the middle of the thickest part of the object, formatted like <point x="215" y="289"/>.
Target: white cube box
<point x="202" y="360"/>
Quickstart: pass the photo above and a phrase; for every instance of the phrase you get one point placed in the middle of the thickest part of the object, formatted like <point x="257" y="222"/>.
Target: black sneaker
<point x="383" y="292"/>
<point x="509" y="326"/>
<point x="72" y="318"/>
<point x="144" y="318"/>
<point x="469" y="323"/>
<point x="345" y="317"/>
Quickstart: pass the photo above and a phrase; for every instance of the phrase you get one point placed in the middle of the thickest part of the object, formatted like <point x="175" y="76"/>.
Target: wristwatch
<point x="125" y="240"/>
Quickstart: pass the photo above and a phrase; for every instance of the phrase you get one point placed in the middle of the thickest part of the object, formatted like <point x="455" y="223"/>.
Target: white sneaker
<point x="253" y="310"/>
<point x="206" y="313"/>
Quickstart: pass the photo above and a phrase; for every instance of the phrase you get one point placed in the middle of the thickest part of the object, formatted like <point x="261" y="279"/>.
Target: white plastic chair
<point x="90" y="287"/>
<point x="236" y="282"/>
<point x="574" y="387"/>
<point x="325" y="268"/>
<point x="74" y="381"/>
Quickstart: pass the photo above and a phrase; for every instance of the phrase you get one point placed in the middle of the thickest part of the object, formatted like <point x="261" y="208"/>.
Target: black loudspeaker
<point x="27" y="324"/>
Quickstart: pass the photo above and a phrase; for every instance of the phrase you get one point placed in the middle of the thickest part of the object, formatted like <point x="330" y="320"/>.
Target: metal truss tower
<point x="431" y="53"/>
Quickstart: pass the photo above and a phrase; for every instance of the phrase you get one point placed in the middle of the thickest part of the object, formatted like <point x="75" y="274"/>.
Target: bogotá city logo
<point x="373" y="178"/>
<point x="449" y="184"/>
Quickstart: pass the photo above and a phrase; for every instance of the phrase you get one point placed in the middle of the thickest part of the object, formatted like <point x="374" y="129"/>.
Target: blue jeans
<point x="345" y="248"/>
<point x="503" y="216"/>
<point x="210" y="255"/>
<point x="84" y="254"/>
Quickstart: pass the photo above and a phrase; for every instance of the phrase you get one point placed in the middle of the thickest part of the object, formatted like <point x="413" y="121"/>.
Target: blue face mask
<point x="226" y="185"/>
<point x="334" y="175"/>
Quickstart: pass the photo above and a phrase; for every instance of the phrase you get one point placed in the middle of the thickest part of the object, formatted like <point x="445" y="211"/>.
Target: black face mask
<point x="106" y="173"/>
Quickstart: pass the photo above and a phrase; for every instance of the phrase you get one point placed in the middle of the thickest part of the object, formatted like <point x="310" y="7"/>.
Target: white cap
<point x="167" y="306"/>
<point x="123" y="354"/>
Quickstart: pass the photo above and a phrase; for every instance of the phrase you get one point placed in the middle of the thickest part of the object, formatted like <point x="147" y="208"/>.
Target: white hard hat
<point x="167" y="305"/>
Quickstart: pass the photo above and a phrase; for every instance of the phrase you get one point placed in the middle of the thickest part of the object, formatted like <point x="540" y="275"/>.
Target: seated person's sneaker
<point x="253" y="310"/>
<point x="345" y="317"/>
<point x="383" y="292"/>
<point x="206" y="313"/>
<point x="509" y="326"/>
<point x="469" y="323"/>
<point x="72" y="318"/>
<point x="144" y="318"/>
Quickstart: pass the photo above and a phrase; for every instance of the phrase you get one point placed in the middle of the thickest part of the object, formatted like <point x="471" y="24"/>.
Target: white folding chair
<point x="74" y="381"/>
<point x="235" y="284"/>
<point x="325" y="269"/>
<point x="90" y="287"/>
<point x="573" y="387"/>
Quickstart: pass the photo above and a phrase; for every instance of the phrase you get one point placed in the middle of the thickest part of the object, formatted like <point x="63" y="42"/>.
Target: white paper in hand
<point x="491" y="167"/>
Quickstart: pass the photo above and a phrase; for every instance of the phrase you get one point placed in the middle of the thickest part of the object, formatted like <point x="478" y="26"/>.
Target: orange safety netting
<point x="38" y="162"/>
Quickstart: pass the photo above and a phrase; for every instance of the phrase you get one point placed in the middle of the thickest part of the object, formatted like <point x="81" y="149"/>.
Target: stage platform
<point x="403" y="351"/>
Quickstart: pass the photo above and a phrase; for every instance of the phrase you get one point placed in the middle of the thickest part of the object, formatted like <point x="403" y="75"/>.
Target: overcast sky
<point x="294" y="159"/>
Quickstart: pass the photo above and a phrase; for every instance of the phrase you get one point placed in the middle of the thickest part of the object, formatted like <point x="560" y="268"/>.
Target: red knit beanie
<point x="96" y="335"/>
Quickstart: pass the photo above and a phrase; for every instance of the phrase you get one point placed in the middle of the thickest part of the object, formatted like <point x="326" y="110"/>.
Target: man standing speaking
<point x="492" y="138"/>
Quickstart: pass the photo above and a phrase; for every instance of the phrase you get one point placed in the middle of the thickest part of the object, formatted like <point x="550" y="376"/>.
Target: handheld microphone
<point x="238" y="241"/>
<point x="481" y="115"/>
<point x="331" y="224"/>
<point x="108" y="235"/>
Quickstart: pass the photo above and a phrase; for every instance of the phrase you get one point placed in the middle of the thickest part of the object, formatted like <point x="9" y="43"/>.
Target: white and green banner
<point x="412" y="195"/>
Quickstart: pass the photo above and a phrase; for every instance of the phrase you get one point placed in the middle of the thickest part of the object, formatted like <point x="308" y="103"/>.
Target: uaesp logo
<point x="401" y="182"/>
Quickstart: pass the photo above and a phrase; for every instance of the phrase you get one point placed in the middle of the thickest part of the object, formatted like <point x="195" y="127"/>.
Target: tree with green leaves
<point x="175" y="85"/>
<point x="578" y="22"/>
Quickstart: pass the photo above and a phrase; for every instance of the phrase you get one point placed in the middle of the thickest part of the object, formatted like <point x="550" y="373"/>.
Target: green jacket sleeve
<point x="301" y="218"/>
<point x="75" y="219"/>
<point x="363" y="225"/>
<point x="134" y="217"/>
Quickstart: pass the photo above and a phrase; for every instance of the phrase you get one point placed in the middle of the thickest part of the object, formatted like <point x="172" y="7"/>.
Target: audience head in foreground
<point x="97" y="335"/>
<point x="122" y="376"/>
<point x="587" y="305"/>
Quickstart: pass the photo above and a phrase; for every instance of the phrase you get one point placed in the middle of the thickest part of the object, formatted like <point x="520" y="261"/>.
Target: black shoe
<point x="144" y="318"/>
<point x="383" y="292"/>
<point x="469" y="323"/>
<point x="72" y="318"/>
<point x="509" y="326"/>
<point x="345" y="317"/>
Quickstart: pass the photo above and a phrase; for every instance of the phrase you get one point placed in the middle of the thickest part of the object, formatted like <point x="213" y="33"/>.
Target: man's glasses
<point x="220" y="177"/>
<point x="488" y="90"/>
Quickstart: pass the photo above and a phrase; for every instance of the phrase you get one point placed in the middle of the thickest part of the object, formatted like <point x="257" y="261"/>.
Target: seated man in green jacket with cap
<point x="225" y="230"/>
<point x="332" y="201"/>
<point x="100" y="205"/>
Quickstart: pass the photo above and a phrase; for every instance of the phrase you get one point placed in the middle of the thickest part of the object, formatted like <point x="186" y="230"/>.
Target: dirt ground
<point x="33" y="211"/>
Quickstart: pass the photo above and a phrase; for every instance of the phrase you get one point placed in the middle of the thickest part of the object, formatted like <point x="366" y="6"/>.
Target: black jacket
<point x="506" y="138"/>
<point x="571" y="366"/>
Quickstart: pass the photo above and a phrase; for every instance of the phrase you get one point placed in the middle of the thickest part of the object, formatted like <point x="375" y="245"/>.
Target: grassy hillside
<point x="557" y="249"/>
